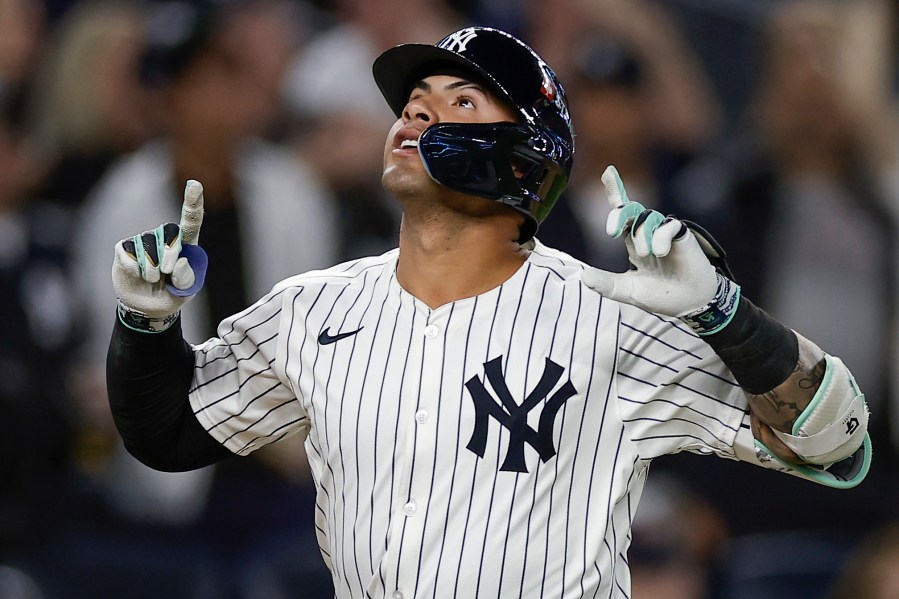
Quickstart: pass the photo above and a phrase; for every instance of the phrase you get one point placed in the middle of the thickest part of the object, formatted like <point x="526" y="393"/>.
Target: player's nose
<point x="418" y="109"/>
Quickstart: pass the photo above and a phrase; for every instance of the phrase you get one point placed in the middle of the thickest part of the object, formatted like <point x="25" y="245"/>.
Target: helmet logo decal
<point x="457" y="41"/>
<point x="550" y="91"/>
<point x="548" y="88"/>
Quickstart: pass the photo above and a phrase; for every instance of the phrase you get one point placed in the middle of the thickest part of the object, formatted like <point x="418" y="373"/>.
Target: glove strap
<point x="140" y="322"/>
<point x="715" y="315"/>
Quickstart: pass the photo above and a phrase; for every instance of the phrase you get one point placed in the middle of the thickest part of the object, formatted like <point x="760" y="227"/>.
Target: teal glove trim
<point x="650" y="224"/>
<point x="140" y="253"/>
<point x="856" y="475"/>
<point x="628" y="212"/>
<point x="159" y="233"/>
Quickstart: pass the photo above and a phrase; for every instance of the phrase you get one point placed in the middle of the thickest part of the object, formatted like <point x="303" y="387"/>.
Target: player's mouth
<point x="406" y="142"/>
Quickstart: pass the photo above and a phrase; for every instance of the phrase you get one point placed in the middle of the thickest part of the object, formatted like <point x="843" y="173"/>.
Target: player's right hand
<point x="155" y="273"/>
<point x="672" y="271"/>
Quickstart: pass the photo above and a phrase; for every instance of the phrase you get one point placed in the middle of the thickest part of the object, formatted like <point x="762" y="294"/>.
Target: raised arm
<point x="805" y="405"/>
<point x="783" y="405"/>
<point x="149" y="366"/>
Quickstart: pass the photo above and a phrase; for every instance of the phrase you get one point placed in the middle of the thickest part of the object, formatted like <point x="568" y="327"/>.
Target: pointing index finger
<point x="623" y="210"/>
<point x="615" y="192"/>
<point x="192" y="212"/>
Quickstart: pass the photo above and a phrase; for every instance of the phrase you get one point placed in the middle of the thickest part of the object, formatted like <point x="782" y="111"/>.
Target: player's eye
<point x="465" y="102"/>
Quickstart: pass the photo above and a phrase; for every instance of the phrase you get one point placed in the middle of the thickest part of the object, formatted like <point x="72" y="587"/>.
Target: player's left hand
<point x="672" y="274"/>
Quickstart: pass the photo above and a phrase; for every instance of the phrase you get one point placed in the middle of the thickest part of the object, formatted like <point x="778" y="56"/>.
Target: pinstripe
<point x="340" y="425"/>
<point x="610" y="524"/>
<point x="381" y="401"/>
<point x="499" y="443"/>
<point x="456" y="454"/>
<point x="421" y="550"/>
<point x="271" y="436"/>
<point x="246" y="407"/>
<point x="552" y="343"/>
<point x="684" y="407"/>
<point x="397" y="429"/>
<point x="332" y="465"/>
<point x="595" y="450"/>
<point x="523" y="393"/>
<point x="577" y="443"/>
<point x="700" y="393"/>
<point x="232" y="394"/>
<point x="411" y="474"/>
<point x="642" y="386"/>
<point x="270" y="298"/>
<point x="371" y="349"/>
<point x="475" y="469"/>
<point x="670" y="419"/>
<point x="650" y="361"/>
<point x="661" y="341"/>
<point x="556" y="467"/>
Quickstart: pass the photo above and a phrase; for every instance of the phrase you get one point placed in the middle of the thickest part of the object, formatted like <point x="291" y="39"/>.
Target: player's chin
<point x="404" y="179"/>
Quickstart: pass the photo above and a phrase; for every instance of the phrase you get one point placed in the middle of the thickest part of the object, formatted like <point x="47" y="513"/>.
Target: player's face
<point x="435" y="99"/>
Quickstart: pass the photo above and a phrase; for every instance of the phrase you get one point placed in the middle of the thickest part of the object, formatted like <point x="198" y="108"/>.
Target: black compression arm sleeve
<point x="148" y="376"/>
<point x="759" y="351"/>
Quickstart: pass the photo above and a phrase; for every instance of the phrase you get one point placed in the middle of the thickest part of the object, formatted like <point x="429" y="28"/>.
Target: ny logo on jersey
<point x="514" y="416"/>
<point x="457" y="41"/>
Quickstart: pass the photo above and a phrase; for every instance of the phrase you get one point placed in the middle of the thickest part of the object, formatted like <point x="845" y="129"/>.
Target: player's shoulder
<point x="565" y="266"/>
<point x="352" y="272"/>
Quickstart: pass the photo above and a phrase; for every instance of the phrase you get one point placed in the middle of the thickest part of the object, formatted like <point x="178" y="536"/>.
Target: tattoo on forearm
<point x="786" y="412"/>
<point x="812" y="376"/>
<point x="781" y="406"/>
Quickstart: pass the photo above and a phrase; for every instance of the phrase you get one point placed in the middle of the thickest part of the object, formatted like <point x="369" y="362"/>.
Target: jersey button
<point x="421" y="416"/>
<point x="431" y="331"/>
<point x="397" y="595"/>
<point x="410" y="508"/>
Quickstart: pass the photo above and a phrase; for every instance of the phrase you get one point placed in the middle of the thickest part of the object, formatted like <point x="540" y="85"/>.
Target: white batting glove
<point x="155" y="273"/>
<point x="672" y="274"/>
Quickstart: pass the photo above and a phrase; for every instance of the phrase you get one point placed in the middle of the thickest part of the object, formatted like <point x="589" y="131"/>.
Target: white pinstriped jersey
<point x="496" y="446"/>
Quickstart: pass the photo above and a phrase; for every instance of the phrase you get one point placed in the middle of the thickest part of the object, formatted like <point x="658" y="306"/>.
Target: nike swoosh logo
<point x="326" y="338"/>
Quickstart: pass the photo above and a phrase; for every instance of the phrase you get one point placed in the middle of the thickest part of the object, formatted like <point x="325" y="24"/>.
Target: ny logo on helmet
<point x="514" y="416"/>
<point x="458" y="41"/>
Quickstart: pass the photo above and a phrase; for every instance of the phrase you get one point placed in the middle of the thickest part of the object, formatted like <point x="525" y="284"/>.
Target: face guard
<point x="514" y="164"/>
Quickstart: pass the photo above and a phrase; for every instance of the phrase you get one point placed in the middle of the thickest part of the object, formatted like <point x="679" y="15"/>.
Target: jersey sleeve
<point x="240" y="393"/>
<point x="844" y="474"/>
<point x="674" y="393"/>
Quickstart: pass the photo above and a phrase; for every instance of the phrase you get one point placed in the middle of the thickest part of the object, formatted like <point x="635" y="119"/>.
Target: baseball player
<point x="479" y="410"/>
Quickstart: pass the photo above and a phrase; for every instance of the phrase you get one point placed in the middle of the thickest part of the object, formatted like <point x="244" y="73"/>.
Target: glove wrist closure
<point x="142" y="323"/>
<point x="717" y="314"/>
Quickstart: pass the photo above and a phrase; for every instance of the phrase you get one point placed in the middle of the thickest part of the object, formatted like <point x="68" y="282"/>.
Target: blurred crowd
<point x="772" y="124"/>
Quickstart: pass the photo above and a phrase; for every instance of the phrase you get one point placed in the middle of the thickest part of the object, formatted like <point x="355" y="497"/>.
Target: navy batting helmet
<point x="524" y="165"/>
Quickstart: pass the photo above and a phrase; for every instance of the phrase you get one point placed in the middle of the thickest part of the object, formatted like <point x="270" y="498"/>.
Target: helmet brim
<point x="398" y="69"/>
